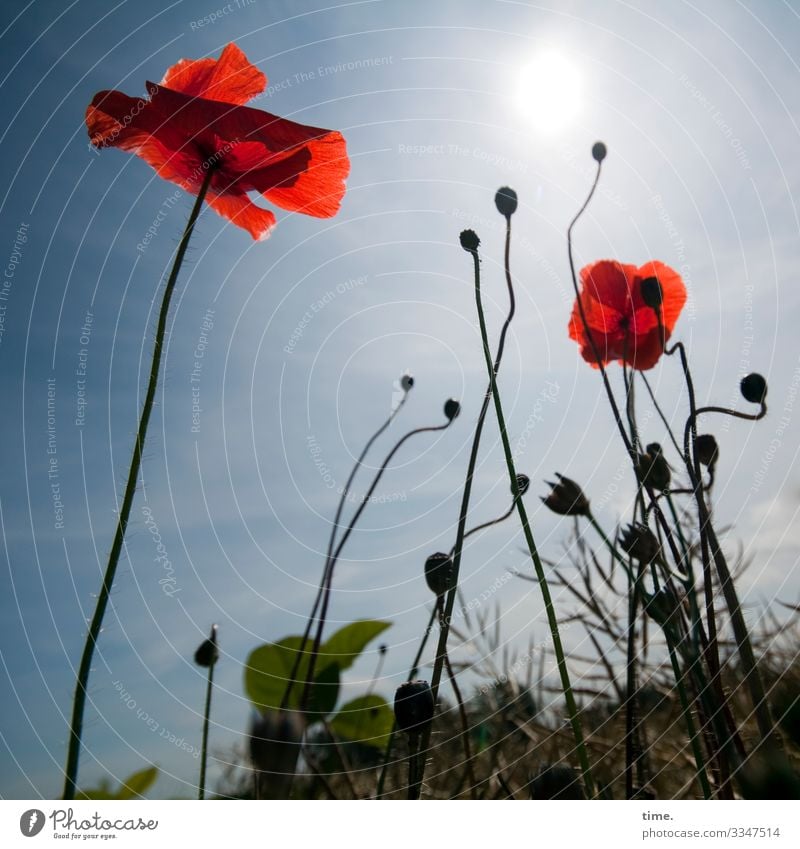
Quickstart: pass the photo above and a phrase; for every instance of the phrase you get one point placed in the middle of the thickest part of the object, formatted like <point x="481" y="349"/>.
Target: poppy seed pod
<point x="651" y="292"/>
<point x="754" y="388"/>
<point x="523" y="484"/>
<point x="506" y="201"/>
<point x="566" y="498"/>
<point x="599" y="151"/>
<point x="207" y="654"/>
<point x="451" y="408"/>
<point x="469" y="240"/>
<point x="706" y="450"/>
<point x="406" y="382"/>
<point x="640" y="543"/>
<point x="413" y="706"/>
<point x="439" y="573"/>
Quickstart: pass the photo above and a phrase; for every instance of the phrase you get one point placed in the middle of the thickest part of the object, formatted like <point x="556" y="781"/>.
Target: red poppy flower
<point x="195" y="119"/>
<point x="622" y="326"/>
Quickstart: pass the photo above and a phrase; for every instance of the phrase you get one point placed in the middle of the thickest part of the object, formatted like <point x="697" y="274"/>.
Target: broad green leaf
<point x="138" y="783"/>
<point x="324" y="692"/>
<point x="133" y="786"/>
<point x="367" y="720"/>
<point x="347" y="643"/>
<point x="270" y="666"/>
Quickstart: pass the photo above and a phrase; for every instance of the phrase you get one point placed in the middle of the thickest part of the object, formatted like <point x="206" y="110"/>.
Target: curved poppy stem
<point x="331" y="542"/>
<point x="338" y="550"/>
<point x="711" y="550"/>
<point x="446" y="616"/>
<point x="412" y="674"/>
<point x="79" y="699"/>
<point x="490" y="523"/>
<point x="566" y="686"/>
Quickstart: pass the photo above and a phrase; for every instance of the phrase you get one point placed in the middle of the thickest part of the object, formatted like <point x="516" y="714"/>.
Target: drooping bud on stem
<point x="523" y="484"/>
<point x="451" y="408"/>
<point x="413" y="706"/>
<point x="754" y="388"/>
<point x="439" y="573"/>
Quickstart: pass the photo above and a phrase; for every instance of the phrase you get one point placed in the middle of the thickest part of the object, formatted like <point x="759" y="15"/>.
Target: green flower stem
<point x="331" y="542"/>
<point x="411" y="676"/>
<point x="445" y="618"/>
<point x="694" y="740"/>
<point x="709" y="541"/>
<point x="572" y="708"/>
<point x="95" y="626"/>
<point x="328" y="577"/>
<point x="201" y="791"/>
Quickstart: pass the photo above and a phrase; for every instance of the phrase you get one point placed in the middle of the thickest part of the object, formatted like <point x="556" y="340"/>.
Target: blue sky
<point x="697" y="107"/>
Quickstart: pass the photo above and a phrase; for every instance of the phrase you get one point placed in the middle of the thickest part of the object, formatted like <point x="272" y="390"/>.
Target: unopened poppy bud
<point x="439" y="573"/>
<point x="413" y="706"/>
<point x="207" y="654"/>
<point x="451" y="408"/>
<point x="506" y="201"/>
<point x="406" y="382"/>
<point x="706" y="450"/>
<point x="469" y="240"/>
<point x="640" y="543"/>
<point x="663" y="606"/>
<point x="599" y="151"/>
<point x="754" y="388"/>
<point x="523" y="484"/>
<point x="566" y="498"/>
<point x="652" y="469"/>
<point x="651" y="291"/>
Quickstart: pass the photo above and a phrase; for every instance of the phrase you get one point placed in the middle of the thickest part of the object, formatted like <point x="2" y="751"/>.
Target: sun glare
<point x="549" y="91"/>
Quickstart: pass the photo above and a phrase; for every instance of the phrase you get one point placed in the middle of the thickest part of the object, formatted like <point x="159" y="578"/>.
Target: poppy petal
<point x="297" y="167"/>
<point x="672" y="288"/>
<point x="241" y="211"/>
<point x="610" y="283"/>
<point x="132" y="124"/>
<point x="231" y="78"/>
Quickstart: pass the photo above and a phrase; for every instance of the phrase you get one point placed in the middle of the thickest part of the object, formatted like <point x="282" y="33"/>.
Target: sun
<point x="549" y="91"/>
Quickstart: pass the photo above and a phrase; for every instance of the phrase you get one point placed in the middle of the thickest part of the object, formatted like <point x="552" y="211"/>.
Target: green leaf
<point x="347" y="643"/>
<point x="138" y="783"/>
<point x="133" y="786"/>
<point x="267" y="673"/>
<point x="324" y="692"/>
<point x="269" y="668"/>
<point x="367" y="720"/>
